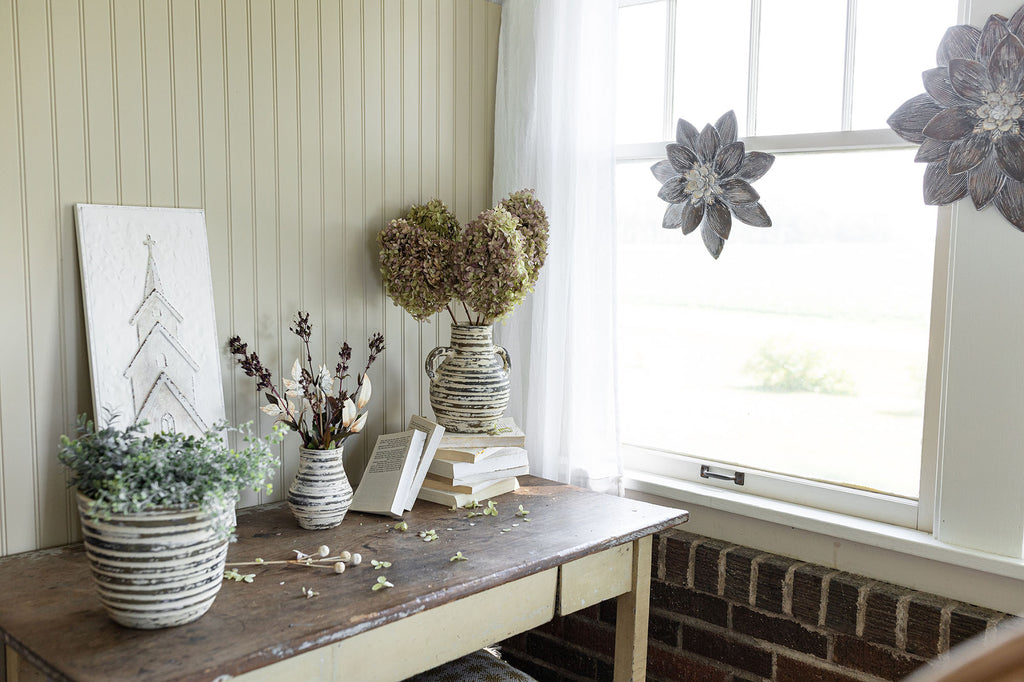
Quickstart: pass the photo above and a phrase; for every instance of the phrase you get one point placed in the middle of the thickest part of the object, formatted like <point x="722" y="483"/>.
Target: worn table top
<point x="50" y="614"/>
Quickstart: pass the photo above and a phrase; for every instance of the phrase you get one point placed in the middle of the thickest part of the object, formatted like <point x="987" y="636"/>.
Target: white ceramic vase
<point x="321" y="494"/>
<point x="469" y="380"/>
<point x="155" y="569"/>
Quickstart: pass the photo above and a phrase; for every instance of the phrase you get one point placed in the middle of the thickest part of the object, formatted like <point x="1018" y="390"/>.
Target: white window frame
<point x="687" y="467"/>
<point x="964" y="537"/>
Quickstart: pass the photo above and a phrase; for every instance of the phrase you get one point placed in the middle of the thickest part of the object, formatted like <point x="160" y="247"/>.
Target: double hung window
<point x="800" y="356"/>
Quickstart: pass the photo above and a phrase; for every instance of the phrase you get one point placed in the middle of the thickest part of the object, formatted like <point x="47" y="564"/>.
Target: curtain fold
<point x="555" y="133"/>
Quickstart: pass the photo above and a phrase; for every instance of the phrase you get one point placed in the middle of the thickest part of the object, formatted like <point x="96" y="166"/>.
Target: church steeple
<point x="152" y="278"/>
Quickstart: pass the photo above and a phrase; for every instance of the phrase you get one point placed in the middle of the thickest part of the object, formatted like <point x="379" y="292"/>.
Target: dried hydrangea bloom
<point x="706" y="179"/>
<point x="490" y="264"/>
<point x="533" y="227"/>
<point x="415" y="265"/>
<point x="968" y="121"/>
<point x="436" y="217"/>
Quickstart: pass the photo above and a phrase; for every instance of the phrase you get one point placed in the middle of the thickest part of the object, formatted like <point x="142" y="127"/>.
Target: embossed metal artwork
<point x="968" y="120"/>
<point x="706" y="180"/>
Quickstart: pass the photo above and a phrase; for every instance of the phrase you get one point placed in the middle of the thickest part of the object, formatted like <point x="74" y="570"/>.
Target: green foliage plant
<point x="479" y="273"/>
<point x="792" y="370"/>
<point x="126" y="471"/>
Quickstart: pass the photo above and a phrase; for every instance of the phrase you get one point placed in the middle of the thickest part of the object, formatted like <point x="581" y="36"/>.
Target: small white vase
<point x="321" y="494"/>
<point x="155" y="569"/>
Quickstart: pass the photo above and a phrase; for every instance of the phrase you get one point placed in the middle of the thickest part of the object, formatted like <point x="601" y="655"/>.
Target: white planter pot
<point x="154" y="569"/>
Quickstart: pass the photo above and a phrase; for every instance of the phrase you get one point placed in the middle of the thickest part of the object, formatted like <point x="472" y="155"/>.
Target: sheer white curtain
<point x="554" y="132"/>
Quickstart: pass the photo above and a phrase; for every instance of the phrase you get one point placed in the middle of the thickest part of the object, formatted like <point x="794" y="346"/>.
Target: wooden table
<point x="578" y="548"/>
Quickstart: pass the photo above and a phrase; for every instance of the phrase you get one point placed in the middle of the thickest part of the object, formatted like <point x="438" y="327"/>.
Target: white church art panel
<point x="152" y="334"/>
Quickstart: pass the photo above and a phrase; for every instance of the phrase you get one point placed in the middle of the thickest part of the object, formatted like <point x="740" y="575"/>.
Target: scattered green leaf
<point x="380" y="564"/>
<point x="232" y="574"/>
<point x="381" y="583"/>
<point x="310" y="592"/>
<point x="402" y="526"/>
<point x="491" y="509"/>
<point x="428" y="535"/>
<point x="458" y="557"/>
<point x="522" y="512"/>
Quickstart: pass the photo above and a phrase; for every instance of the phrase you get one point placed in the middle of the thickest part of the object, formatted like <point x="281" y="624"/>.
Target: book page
<point x="385" y="483"/>
<point x="433" y="432"/>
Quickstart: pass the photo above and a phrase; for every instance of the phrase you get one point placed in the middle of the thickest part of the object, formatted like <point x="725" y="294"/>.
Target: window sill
<point x="878" y="550"/>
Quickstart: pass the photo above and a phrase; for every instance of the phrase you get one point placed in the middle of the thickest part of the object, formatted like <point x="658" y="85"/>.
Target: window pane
<point x="712" y="55"/>
<point x="896" y="41"/>
<point x="641" y="73"/>
<point x="802" y="349"/>
<point x="800" y="84"/>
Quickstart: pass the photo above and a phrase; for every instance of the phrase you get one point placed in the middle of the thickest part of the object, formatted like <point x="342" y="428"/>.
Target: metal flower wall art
<point x="968" y="120"/>
<point x="706" y="179"/>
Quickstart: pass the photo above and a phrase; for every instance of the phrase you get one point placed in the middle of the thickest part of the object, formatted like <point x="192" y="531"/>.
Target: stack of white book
<point x="470" y="467"/>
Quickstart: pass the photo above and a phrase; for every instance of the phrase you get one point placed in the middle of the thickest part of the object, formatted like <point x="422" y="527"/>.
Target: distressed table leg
<point x="631" y="618"/>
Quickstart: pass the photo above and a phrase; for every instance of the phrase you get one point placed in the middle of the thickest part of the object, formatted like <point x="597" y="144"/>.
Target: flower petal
<point x="1010" y="202"/>
<point x="712" y="241"/>
<point x="272" y="409"/>
<point x="1010" y="149"/>
<point x="968" y="152"/>
<point x="296" y="371"/>
<point x="942" y="188"/>
<point x="717" y="216"/>
<point x="708" y="144"/>
<point x="985" y="181"/>
<point x="933" y="150"/>
<point x="969" y="79"/>
<point x="664" y="171"/>
<point x="752" y="214"/>
<point x="365" y="391"/>
<point x="729" y="159"/>
<point x="1016" y="21"/>
<point x="1005" y="66"/>
<point x="686" y="133"/>
<point x="913" y="115"/>
<point x="348" y="412"/>
<point x="936" y="83"/>
<point x="693" y="214"/>
<point x="674" y="190"/>
<point x="358" y="425"/>
<point x="736" y="191"/>
<point x="681" y="157"/>
<point x="951" y="124"/>
<point x="727" y="127"/>
<point x="755" y="165"/>
<point x="673" y="216"/>
<point x="991" y="35"/>
<point x="959" y="42"/>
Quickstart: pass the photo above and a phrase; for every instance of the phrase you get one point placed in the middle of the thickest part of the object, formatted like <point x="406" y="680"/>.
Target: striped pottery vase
<point x="155" y="569"/>
<point x="469" y="381"/>
<point x="320" y="495"/>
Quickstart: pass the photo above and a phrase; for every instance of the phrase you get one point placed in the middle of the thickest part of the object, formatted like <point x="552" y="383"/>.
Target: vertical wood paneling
<point x="300" y="127"/>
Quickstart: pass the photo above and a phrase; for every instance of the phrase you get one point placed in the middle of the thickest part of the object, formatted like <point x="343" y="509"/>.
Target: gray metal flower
<point x="968" y="121"/>
<point x="706" y="179"/>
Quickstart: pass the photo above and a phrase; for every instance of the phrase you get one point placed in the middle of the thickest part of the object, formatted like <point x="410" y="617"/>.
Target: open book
<point x="397" y="467"/>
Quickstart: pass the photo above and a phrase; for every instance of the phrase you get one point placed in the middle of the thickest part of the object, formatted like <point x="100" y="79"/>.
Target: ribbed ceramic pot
<point x="320" y="495"/>
<point x="469" y="380"/>
<point x="155" y="569"/>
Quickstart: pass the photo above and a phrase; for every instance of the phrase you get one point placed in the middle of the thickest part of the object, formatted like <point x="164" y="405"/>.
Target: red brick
<point x="686" y="602"/>
<point x="665" y="664"/>
<point x="857" y="654"/>
<point x="664" y="630"/>
<point x="771" y="580"/>
<point x="738" y="566"/>
<point x="531" y="666"/>
<point x="720" y="645"/>
<point x="966" y="622"/>
<point x="880" y="611"/>
<point x="677" y="559"/>
<point x="560" y="655"/>
<point x="705" y="568"/>
<point x="841" y="609"/>
<point x="589" y="634"/>
<point x="779" y="630"/>
<point x="807" y="581"/>
<point x="793" y="670"/>
<point x="924" y="622"/>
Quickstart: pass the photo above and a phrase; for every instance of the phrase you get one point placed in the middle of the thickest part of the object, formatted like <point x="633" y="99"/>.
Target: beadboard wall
<point x="300" y="126"/>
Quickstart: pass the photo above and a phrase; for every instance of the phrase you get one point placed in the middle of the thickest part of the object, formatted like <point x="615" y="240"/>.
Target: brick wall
<point x="723" y="612"/>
